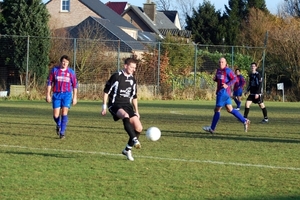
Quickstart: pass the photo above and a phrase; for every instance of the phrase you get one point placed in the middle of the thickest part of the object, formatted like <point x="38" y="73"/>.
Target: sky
<point x="219" y="4"/>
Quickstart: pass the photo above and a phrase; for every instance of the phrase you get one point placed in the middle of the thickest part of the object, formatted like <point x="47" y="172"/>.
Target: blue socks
<point x="238" y="103"/>
<point x="64" y="121"/>
<point x="238" y="115"/>
<point x="215" y="120"/>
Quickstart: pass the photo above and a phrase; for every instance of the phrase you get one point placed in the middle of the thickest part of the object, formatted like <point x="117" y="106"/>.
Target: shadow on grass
<point x="228" y="137"/>
<point x="39" y="154"/>
<point x="290" y="197"/>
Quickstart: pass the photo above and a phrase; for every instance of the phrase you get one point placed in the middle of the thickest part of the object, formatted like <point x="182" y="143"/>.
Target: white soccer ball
<point x="153" y="133"/>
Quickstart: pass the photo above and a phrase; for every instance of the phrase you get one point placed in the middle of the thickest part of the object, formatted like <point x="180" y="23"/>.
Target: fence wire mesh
<point x="166" y="69"/>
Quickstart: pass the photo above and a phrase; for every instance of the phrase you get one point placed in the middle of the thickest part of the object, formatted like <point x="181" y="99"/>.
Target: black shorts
<point x="113" y="109"/>
<point x="259" y="100"/>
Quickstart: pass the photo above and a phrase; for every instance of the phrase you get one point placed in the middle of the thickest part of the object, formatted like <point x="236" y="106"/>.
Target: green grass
<point x="186" y="163"/>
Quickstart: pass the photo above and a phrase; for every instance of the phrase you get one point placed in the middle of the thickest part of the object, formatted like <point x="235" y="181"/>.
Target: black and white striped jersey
<point x="120" y="88"/>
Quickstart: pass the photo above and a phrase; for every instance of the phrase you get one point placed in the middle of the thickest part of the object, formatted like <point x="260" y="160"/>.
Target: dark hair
<point x="253" y="63"/>
<point x="237" y="69"/>
<point x="65" y="57"/>
<point x="129" y="60"/>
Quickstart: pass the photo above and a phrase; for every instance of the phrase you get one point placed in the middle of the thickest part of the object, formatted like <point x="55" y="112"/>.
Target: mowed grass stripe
<point x="156" y="158"/>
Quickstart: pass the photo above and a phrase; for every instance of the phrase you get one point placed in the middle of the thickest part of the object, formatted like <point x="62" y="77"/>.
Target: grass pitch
<point x="186" y="163"/>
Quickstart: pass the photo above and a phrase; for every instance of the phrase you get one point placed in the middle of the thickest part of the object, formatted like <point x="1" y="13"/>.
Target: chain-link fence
<point x="165" y="69"/>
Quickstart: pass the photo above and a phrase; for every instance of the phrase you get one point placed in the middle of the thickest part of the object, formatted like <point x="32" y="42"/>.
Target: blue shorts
<point x="238" y="92"/>
<point x="223" y="98"/>
<point x="61" y="99"/>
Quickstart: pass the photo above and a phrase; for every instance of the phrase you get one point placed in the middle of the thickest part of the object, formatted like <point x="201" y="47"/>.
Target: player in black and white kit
<point x="255" y="96"/>
<point x="121" y="92"/>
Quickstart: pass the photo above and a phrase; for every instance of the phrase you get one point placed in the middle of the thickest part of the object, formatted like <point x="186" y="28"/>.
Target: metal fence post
<point x="27" y="63"/>
<point x="118" y="54"/>
<point x="195" y="64"/>
<point x="74" y="54"/>
<point x="158" y="67"/>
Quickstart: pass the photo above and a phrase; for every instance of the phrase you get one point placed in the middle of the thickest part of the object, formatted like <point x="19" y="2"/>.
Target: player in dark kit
<point x="121" y="92"/>
<point x="255" y="96"/>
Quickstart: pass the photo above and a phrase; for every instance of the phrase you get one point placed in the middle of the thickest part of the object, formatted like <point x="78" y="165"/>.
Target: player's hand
<point x="48" y="98"/>
<point x="256" y="96"/>
<point x="74" y="101"/>
<point x="104" y="107"/>
<point x="137" y="114"/>
<point x="225" y="85"/>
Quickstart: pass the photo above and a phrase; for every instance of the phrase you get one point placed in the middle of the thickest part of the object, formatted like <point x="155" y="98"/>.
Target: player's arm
<point x="259" y="78"/>
<point x="107" y="88"/>
<point x="242" y="81"/>
<point x="49" y="86"/>
<point x="248" y="87"/>
<point x="104" y="104"/>
<point x="135" y="107"/>
<point x="231" y="78"/>
<point x="75" y="86"/>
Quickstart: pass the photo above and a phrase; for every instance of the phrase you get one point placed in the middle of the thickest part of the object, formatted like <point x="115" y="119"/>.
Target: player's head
<point x="222" y="63"/>
<point x="129" y="65"/>
<point x="64" y="60"/>
<point x="253" y="66"/>
<point x="237" y="71"/>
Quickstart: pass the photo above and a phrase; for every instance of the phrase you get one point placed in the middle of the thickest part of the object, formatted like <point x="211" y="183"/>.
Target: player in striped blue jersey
<point x="120" y="97"/>
<point x="225" y="78"/>
<point x="63" y="82"/>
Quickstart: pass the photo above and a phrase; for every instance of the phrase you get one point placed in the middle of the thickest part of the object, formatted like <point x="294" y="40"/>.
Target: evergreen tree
<point x="258" y="4"/>
<point x="205" y="24"/>
<point x="26" y="22"/>
<point x="234" y="14"/>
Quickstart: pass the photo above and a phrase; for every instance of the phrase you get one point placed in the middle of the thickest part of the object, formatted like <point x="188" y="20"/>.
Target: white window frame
<point x="61" y="6"/>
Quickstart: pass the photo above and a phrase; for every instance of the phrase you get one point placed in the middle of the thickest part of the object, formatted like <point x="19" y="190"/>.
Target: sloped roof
<point x="171" y="14"/>
<point x="145" y="36"/>
<point x="110" y="33"/>
<point x="118" y="7"/>
<point x="176" y="32"/>
<point x="140" y="13"/>
<point x="104" y="12"/>
<point x="162" y="21"/>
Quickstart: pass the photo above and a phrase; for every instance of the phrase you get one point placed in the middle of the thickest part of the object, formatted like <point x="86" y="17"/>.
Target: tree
<point x="163" y="4"/>
<point x="290" y="8"/>
<point x="284" y="39"/>
<point x="26" y="24"/>
<point x="258" y="4"/>
<point x="205" y="24"/>
<point x="233" y="16"/>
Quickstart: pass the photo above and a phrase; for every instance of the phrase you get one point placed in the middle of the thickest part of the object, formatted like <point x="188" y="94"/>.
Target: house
<point x="67" y="13"/>
<point x="149" y="19"/>
<point x="73" y="14"/>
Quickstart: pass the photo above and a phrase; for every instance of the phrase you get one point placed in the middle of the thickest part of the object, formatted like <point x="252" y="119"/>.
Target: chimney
<point x="150" y="9"/>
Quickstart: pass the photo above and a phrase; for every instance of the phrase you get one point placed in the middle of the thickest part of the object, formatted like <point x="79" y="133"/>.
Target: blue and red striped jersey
<point x="226" y="76"/>
<point x="62" y="80"/>
<point x="240" y="82"/>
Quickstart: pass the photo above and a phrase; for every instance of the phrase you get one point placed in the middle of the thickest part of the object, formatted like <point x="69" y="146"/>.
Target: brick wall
<point x="78" y="13"/>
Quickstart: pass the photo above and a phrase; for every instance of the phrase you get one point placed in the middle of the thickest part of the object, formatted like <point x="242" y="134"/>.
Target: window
<point x="65" y="5"/>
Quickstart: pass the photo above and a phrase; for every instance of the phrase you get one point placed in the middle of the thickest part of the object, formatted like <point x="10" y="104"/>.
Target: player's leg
<point x="264" y="110"/>
<point x="65" y="103"/>
<point x="137" y="125"/>
<point x="125" y="115"/>
<point x="56" y="105"/>
<point x="247" y="105"/>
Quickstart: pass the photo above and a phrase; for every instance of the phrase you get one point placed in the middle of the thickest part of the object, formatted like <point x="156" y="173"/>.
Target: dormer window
<point x="65" y="5"/>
